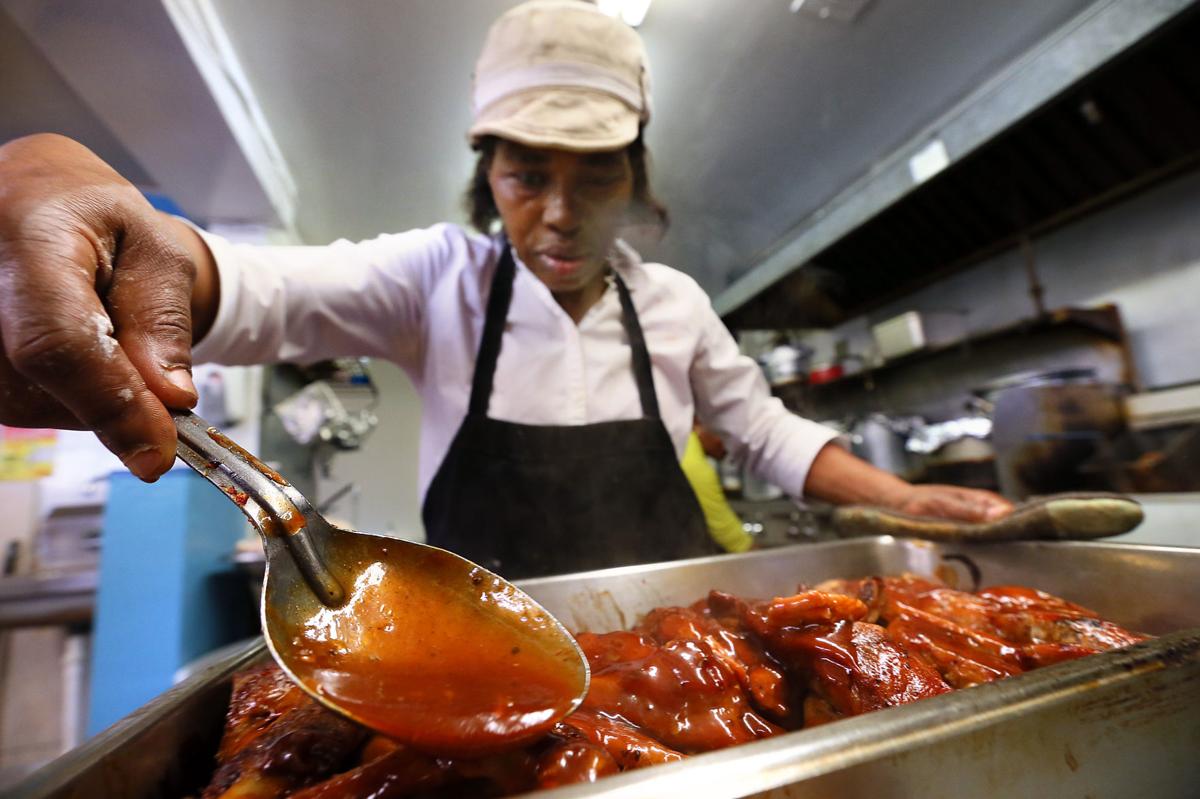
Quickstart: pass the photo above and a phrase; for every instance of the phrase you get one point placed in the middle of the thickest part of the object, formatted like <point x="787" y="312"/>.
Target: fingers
<point x="952" y="505"/>
<point x="956" y="503"/>
<point x="95" y="322"/>
<point x="997" y="507"/>
<point x="149" y="302"/>
<point x="971" y="504"/>
<point x="57" y="335"/>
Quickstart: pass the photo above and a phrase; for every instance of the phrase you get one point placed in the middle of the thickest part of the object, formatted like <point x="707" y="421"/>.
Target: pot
<point x="785" y="364"/>
<point x="880" y="440"/>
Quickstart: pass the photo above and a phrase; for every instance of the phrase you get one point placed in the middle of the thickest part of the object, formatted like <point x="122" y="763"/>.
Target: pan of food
<point x="836" y="669"/>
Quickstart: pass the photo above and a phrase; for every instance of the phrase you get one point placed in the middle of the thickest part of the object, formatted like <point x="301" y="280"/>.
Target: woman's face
<point x="561" y="210"/>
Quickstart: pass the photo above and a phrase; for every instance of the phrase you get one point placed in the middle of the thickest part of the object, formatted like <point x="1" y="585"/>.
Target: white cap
<point x="561" y="74"/>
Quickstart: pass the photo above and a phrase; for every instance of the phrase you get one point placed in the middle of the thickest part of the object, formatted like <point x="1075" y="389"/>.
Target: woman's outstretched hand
<point x="952" y="502"/>
<point x="840" y="478"/>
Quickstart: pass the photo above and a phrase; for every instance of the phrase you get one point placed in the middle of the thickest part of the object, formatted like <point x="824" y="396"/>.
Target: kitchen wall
<point x="1142" y="254"/>
<point x="20" y="503"/>
<point x="384" y="471"/>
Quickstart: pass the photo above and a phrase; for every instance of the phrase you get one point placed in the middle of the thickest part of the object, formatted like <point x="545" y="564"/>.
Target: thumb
<point x="998" y="508"/>
<point x="149" y="302"/>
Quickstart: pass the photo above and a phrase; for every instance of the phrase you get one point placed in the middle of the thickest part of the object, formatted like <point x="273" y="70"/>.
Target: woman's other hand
<point x="840" y="478"/>
<point x="951" y="502"/>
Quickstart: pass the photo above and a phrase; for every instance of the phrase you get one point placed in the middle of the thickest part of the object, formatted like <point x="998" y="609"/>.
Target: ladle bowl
<point x="410" y="640"/>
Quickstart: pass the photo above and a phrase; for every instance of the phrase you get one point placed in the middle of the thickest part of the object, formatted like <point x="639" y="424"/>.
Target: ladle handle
<point x="273" y="506"/>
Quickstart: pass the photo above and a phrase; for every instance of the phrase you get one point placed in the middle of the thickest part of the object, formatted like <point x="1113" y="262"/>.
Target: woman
<point x="559" y="374"/>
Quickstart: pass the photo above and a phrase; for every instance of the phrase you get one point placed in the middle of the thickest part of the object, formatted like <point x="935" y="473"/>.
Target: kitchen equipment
<point x="785" y="364"/>
<point x="731" y="476"/>
<point x="880" y="440"/>
<point x="825" y="372"/>
<point x="1063" y="516"/>
<point x="69" y="539"/>
<point x="957" y="451"/>
<point x="782" y="522"/>
<point x="968" y="462"/>
<point x="1117" y="724"/>
<point x="357" y="619"/>
<point x="918" y="330"/>
<point x="929" y="438"/>
<point x="337" y="409"/>
<point x="1166" y="408"/>
<point x="1045" y="425"/>
<point x="757" y="489"/>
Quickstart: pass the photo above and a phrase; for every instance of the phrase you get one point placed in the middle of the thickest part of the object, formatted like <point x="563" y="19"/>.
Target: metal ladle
<point x="409" y="639"/>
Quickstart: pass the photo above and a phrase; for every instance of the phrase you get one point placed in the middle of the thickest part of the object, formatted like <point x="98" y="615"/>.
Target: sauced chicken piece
<point x="1044" y="628"/>
<point x="877" y="592"/>
<point x="885" y="598"/>
<point x="394" y="771"/>
<point x="1093" y="636"/>
<point x="951" y="630"/>
<point x="628" y="746"/>
<point x="583" y="748"/>
<point x="571" y="757"/>
<point x="853" y="666"/>
<point x="857" y="668"/>
<point x="1049" y="629"/>
<point x="997" y="632"/>
<point x="1016" y="598"/>
<point x="968" y="611"/>
<point x="963" y="656"/>
<point x="678" y="692"/>
<point x="399" y="772"/>
<point x="737" y="648"/>
<point x="868" y="590"/>
<point x="277" y="739"/>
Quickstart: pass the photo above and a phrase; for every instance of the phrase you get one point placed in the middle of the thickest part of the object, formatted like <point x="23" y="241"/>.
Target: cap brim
<point x="566" y="119"/>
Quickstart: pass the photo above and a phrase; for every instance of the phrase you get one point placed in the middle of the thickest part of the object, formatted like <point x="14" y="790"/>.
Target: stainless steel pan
<point x="1119" y="724"/>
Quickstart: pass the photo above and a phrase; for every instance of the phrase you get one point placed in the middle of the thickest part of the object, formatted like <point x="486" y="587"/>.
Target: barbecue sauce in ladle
<point x="430" y="649"/>
<point x="408" y="639"/>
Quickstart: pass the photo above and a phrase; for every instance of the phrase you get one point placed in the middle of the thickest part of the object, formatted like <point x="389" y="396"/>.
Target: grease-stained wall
<point x="1142" y="254"/>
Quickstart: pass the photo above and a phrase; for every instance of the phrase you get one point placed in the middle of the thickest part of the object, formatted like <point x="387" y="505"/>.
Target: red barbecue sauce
<point x="433" y="651"/>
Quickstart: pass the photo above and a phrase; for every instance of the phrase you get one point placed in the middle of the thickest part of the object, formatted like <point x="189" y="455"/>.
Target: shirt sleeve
<point x="304" y="304"/>
<point x="733" y="400"/>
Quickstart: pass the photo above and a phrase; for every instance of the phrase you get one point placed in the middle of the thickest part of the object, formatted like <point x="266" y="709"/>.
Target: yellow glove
<point x="723" y="524"/>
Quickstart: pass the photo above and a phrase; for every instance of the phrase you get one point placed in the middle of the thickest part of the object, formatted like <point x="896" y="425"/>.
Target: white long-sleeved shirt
<point x="419" y="298"/>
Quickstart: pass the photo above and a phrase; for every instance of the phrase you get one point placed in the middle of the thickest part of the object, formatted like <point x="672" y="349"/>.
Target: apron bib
<point x="530" y="500"/>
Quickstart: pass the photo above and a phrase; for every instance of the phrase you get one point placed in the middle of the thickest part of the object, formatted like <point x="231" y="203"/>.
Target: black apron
<point x="529" y="500"/>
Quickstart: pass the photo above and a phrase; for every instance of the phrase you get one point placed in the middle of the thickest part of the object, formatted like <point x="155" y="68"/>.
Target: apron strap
<point x="493" y="332"/>
<point x="641" y="356"/>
